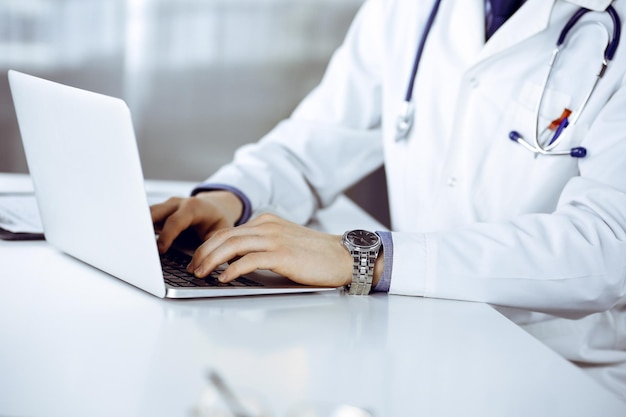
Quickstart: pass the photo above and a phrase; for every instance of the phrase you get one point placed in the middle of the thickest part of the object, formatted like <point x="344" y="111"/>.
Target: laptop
<point x="84" y="163"/>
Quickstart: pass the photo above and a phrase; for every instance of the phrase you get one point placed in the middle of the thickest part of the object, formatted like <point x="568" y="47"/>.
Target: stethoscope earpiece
<point x="576" y="152"/>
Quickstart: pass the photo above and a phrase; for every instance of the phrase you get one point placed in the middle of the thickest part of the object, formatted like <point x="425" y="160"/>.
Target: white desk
<point x="77" y="342"/>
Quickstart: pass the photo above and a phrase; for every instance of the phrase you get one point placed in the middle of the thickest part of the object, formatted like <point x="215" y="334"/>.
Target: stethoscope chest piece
<point x="404" y="121"/>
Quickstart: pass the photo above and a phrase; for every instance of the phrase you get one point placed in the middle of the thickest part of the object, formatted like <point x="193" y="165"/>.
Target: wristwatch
<point x="363" y="247"/>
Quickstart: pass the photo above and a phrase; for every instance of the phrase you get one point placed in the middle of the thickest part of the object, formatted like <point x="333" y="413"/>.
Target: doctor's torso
<point x="458" y="165"/>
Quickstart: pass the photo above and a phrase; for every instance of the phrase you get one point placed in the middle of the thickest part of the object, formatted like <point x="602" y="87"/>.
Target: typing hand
<point x="269" y="242"/>
<point x="203" y="214"/>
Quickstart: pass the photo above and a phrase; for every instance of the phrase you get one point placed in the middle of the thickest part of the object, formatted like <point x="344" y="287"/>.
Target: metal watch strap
<point x="362" y="272"/>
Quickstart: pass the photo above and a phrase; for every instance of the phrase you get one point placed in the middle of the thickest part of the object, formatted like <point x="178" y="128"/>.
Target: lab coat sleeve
<point x="330" y="142"/>
<point x="568" y="263"/>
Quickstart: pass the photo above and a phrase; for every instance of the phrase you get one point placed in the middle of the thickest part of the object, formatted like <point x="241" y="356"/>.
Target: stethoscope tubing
<point x="405" y="117"/>
<point x="609" y="52"/>
<point x="408" y="96"/>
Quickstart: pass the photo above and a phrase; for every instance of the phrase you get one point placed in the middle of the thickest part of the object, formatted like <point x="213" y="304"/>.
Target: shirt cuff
<point x="385" y="279"/>
<point x="247" y="206"/>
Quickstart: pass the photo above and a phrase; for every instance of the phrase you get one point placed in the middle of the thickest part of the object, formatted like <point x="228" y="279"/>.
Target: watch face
<point x="362" y="238"/>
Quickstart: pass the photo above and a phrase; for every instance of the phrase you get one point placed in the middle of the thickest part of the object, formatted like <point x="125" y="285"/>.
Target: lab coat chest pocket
<point x="525" y="117"/>
<point x="512" y="180"/>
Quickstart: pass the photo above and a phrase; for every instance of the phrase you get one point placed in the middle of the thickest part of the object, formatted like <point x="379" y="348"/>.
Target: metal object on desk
<point x="221" y="400"/>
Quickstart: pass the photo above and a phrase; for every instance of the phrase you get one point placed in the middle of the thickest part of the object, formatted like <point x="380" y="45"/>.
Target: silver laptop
<point x="84" y="162"/>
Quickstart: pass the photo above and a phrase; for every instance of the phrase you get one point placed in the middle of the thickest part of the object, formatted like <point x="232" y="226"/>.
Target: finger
<point x="223" y="247"/>
<point x="173" y="226"/>
<point x="162" y="210"/>
<point x="245" y="265"/>
<point x="208" y="256"/>
<point x="262" y="234"/>
<point x="214" y="239"/>
<point x="219" y="225"/>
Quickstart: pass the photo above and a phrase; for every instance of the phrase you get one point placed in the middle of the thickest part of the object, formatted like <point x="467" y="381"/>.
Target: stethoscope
<point x="404" y="121"/>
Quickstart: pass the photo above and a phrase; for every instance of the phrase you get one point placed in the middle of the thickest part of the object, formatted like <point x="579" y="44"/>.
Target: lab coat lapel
<point x="466" y="17"/>
<point x="530" y="19"/>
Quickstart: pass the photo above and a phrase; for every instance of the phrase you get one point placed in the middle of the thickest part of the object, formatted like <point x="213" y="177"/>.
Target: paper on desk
<point x="19" y="213"/>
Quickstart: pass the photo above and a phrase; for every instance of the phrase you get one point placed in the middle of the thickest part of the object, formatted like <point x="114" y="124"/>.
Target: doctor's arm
<point x="569" y="263"/>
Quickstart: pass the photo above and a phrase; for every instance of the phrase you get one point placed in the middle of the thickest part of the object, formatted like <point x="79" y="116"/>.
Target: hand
<point x="268" y="242"/>
<point x="204" y="214"/>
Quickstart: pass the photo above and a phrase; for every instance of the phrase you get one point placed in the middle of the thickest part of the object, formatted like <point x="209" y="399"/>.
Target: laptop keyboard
<point x="174" y="265"/>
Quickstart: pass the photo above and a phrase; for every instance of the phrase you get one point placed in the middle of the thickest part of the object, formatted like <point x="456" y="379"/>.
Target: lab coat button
<point x="451" y="181"/>
<point x="473" y="82"/>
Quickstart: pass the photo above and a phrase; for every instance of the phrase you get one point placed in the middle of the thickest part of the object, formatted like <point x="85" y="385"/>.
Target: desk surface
<point x="77" y="342"/>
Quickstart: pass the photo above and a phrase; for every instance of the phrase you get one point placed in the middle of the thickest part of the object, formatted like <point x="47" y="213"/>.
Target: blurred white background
<point x="202" y="77"/>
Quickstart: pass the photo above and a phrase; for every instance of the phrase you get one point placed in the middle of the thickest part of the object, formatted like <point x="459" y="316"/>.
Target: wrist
<point x="230" y="204"/>
<point x="244" y="212"/>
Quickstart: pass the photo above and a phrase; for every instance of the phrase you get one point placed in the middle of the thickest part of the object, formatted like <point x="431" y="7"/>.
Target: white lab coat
<point x="475" y="216"/>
